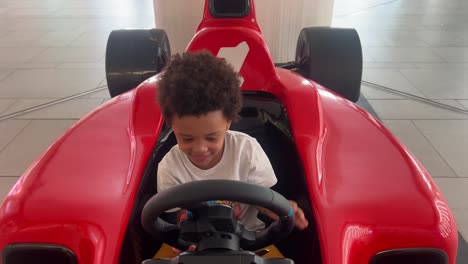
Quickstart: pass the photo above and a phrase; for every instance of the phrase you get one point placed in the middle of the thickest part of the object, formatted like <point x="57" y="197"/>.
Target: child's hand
<point x="301" y="222"/>
<point x="178" y="251"/>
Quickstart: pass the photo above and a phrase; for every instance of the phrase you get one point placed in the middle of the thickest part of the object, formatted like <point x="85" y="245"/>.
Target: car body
<point x="368" y="197"/>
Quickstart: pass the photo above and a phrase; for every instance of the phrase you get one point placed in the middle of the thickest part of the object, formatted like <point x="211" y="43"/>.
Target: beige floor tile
<point x="71" y="54"/>
<point x="453" y="54"/>
<point x="90" y="12"/>
<point x="366" y="56"/>
<point x="375" y="93"/>
<point x="6" y="183"/>
<point x="19" y="4"/>
<point x="429" y="37"/>
<point x="27" y="65"/>
<point x="454" y="190"/>
<point x="56" y="39"/>
<point x="20" y="38"/>
<point x="405" y="41"/>
<point x="452" y="103"/>
<point x="104" y="94"/>
<point x="92" y="38"/>
<point x="104" y="82"/>
<point x="48" y="24"/>
<point x="372" y="39"/>
<point x="49" y="83"/>
<point x="29" y="144"/>
<point x="444" y="66"/>
<point x="5" y="104"/>
<point x="85" y="65"/>
<point x="389" y="65"/>
<point x="464" y="103"/>
<point x="439" y="84"/>
<point x="23" y="104"/>
<point x="346" y="7"/>
<point x="392" y="54"/>
<point x="461" y="217"/>
<point x="5" y="24"/>
<point x="111" y="23"/>
<point x="385" y="24"/>
<point x="15" y="55"/>
<point x="391" y="79"/>
<point x="73" y="109"/>
<point x="412" y="138"/>
<point x="4" y="73"/>
<point x="450" y="139"/>
<point x="9" y="129"/>
<point x="28" y="11"/>
<point x="408" y="109"/>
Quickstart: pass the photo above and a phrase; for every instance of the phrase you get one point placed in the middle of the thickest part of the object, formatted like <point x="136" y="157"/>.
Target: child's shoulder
<point x="240" y="138"/>
<point x="239" y="135"/>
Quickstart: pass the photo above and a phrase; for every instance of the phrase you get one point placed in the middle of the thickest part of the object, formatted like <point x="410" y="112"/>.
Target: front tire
<point x="133" y="56"/>
<point x="331" y="57"/>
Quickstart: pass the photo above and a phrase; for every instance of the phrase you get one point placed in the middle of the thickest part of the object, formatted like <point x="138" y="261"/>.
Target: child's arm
<point x="300" y="220"/>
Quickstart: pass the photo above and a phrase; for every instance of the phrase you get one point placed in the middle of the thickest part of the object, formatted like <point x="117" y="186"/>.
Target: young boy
<point x="200" y="96"/>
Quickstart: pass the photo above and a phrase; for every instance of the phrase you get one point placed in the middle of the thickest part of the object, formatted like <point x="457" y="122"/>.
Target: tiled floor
<point x="55" y="48"/>
<point x="50" y="50"/>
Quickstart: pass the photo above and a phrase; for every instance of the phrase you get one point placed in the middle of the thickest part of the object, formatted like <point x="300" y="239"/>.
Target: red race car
<point x="367" y="198"/>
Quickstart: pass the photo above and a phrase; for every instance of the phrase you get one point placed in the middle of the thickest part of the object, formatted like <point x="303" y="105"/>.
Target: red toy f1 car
<point x="367" y="198"/>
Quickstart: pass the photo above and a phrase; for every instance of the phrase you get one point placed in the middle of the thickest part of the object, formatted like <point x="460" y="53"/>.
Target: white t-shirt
<point x="243" y="160"/>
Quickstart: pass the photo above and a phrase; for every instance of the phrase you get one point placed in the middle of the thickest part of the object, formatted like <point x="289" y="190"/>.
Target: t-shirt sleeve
<point x="261" y="172"/>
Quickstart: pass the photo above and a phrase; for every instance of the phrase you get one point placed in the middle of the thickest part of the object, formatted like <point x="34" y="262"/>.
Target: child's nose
<point x="200" y="148"/>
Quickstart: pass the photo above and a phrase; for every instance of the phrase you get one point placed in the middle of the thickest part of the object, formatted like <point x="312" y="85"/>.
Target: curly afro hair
<point x="197" y="83"/>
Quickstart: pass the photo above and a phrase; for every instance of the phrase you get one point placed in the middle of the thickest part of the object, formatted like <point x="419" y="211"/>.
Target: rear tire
<point x="331" y="57"/>
<point x="133" y="56"/>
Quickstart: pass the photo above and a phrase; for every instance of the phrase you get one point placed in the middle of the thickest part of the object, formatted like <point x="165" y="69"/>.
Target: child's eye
<point x="187" y="139"/>
<point x="211" y="139"/>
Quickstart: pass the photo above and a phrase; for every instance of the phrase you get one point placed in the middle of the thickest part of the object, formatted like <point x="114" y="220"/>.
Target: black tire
<point x="331" y="57"/>
<point x="133" y="56"/>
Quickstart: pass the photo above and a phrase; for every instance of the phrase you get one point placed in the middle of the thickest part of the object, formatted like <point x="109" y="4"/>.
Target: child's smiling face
<point x="202" y="137"/>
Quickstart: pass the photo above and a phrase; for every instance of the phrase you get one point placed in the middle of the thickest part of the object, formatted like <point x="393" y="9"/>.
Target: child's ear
<point x="228" y="125"/>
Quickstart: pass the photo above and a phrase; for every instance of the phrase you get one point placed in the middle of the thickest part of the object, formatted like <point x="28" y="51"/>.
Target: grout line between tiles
<point x="458" y="103"/>
<point x="458" y="100"/>
<point x="60" y="100"/>
<point x="13" y="139"/>
<point x="411" y="83"/>
<point x="438" y="55"/>
<point x="366" y="9"/>
<point x="10" y="106"/>
<point x="7" y="75"/>
<point x="415" y="97"/>
<point x="31" y="60"/>
<point x="79" y="36"/>
<point x="436" y="150"/>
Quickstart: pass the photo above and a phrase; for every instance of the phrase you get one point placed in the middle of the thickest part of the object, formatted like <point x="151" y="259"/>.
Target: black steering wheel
<point x="191" y="195"/>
